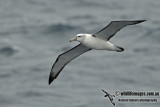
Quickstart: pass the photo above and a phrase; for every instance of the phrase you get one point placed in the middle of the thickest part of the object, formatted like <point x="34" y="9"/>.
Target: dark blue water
<point x="34" y="32"/>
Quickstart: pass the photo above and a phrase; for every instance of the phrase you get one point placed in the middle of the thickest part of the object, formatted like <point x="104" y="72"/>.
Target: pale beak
<point x="73" y="39"/>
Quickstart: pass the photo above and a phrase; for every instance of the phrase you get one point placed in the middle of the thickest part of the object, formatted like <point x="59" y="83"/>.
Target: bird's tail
<point x="119" y="49"/>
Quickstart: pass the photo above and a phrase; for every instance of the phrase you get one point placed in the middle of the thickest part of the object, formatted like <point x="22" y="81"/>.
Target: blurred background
<point x="34" y="32"/>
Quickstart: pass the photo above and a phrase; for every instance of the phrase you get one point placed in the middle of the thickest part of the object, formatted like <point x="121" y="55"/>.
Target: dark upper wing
<point x="112" y="101"/>
<point x="115" y="26"/>
<point x="105" y="92"/>
<point x="65" y="58"/>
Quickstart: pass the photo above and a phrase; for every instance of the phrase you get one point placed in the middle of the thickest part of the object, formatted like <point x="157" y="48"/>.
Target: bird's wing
<point x="115" y="26"/>
<point x="111" y="99"/>
<point x="105" y="91"/>
<point x="65" y="58"/>
<point x="113" y="102"/>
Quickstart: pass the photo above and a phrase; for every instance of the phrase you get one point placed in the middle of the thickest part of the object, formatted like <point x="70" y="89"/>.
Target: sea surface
<point x="34" y="32"/>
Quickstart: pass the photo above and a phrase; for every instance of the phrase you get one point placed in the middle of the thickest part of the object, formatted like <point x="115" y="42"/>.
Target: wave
<point x="30" y="93"/>
<point x="8" y="50"/>
<point x="58" y="28"/>
<point x="5" y="75"/>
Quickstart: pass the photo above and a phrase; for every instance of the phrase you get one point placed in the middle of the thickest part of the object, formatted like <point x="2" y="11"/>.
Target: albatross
<point x="97" y="41"/>
<point x="109" y="96"/>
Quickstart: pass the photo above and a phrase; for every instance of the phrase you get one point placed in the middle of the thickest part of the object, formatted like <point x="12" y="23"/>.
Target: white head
<point x="78" y="37"/>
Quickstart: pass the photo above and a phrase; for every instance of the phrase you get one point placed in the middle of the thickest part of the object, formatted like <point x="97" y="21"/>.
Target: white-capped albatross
<point x="98" y="41"/>
<point x="109" y="96"/>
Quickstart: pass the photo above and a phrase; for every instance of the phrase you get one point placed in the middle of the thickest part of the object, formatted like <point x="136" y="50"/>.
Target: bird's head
<point x="78" y="37"/>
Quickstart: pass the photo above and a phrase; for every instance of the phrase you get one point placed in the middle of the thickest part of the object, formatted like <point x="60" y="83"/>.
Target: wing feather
<point x="115" y="26"/>
<point x="64" y="59"/>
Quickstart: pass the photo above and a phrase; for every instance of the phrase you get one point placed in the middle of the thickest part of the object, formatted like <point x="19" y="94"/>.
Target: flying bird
<point x="109" y="96"/>
<point x="98" y="41"/>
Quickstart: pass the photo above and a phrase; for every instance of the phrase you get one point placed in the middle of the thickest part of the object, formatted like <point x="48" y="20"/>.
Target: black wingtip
<point x="120" y="49"/>
<point x="102" y="90"/>
<point x="51" y="78"/>
<point x="140" y="21"/>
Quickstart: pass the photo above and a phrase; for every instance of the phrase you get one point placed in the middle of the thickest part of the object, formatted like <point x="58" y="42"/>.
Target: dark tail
<point x="119" y="49"/>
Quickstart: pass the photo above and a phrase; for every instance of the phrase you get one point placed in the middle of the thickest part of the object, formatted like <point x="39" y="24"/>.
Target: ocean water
<point x="34" y="32"/>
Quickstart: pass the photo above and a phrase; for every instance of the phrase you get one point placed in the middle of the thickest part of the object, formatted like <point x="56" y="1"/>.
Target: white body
<point x="98" y="44"/>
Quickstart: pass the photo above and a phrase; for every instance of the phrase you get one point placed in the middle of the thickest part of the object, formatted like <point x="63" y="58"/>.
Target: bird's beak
<point x="73" y="39"/>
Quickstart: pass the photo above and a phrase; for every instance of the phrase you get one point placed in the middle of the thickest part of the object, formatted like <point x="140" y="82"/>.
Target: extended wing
<point x="115" y="26"/>
<point x="109" y="96"/>
<point x="105" y="92"/>
<point x="64" y="59"/>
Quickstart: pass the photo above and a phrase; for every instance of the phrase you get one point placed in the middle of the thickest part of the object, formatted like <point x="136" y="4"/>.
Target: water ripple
<point x="8" y="51"/>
